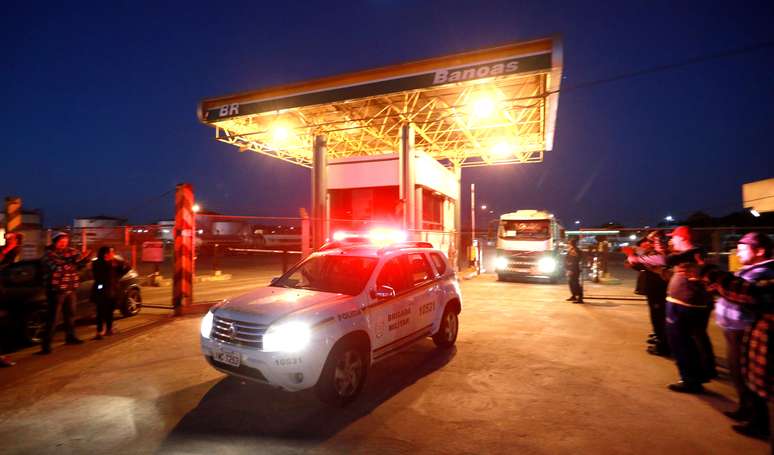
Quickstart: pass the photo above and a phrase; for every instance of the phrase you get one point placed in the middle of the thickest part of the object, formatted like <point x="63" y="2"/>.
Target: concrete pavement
<point x="531" y="373"/>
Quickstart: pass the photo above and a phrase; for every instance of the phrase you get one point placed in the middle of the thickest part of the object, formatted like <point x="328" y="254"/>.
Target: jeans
<point x="750" y="403"/>
<point x="56" y="301"/>
<point x="687" y="333"/>
<point x="105" y="308"/>
<point x="573" y="279"/>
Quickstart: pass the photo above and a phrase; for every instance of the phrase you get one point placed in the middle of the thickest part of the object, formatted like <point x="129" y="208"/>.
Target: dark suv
<point x="23" y="298"/>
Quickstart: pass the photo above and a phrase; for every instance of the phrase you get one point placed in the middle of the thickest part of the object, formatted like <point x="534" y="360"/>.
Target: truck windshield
<point x="329" y="273"/>
<point x="524" y="230"/>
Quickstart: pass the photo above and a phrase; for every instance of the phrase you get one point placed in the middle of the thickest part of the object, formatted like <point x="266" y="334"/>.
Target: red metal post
<point x="184" y="248"/>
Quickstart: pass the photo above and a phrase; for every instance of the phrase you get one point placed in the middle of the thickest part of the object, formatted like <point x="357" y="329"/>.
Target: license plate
<point x="227" y="357"/>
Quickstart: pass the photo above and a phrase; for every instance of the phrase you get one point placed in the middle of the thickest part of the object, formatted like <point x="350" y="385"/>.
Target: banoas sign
<point x="476" y="72"/>
<point x="397" y="81"/>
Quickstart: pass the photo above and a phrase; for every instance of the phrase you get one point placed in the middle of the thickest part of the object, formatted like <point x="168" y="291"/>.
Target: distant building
<point x="99" y="228"/>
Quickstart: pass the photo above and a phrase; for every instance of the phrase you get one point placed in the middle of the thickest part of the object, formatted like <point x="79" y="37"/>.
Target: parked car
<point x="23" y="297"/>
<point x="323" y="323"/>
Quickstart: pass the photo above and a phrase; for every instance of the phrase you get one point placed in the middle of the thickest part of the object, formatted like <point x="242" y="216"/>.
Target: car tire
<point x="500" y="277"/>
<point x="447" y="333"/>
<point x="132" y="303"/>
<point x="343" y="375"/>
<point x="34" y="325"/>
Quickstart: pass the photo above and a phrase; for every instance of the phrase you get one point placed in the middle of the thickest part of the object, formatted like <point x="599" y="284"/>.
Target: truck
<point x="529" y="245"/>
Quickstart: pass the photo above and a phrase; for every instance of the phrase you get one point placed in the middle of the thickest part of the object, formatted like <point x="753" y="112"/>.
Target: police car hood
<point x="266" y="305"/>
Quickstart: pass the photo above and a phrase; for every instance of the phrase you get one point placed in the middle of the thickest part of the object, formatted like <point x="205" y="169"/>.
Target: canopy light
<point x="501" y="150"/>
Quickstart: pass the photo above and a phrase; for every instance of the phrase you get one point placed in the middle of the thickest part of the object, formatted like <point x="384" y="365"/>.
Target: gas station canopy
<point x="490" y="106"/>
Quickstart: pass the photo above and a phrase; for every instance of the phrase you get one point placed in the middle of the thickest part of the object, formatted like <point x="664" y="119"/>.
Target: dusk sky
<point x="100" y="100"/>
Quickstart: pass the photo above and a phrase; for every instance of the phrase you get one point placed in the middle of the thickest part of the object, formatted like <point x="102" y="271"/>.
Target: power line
<point x="670" y="66"/>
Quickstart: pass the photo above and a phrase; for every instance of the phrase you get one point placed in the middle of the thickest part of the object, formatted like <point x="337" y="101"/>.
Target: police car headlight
<point x="206" y="327"/>
<point x="546" y="265"/>
<point x="287" y="337"/>
<point x="501" y="263"/>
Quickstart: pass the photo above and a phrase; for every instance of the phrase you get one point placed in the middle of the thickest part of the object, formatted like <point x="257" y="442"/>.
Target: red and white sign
<point x="153" y="251"/>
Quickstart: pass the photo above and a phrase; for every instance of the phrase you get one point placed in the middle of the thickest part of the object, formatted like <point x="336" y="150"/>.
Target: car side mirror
<point x="383" y="292"/>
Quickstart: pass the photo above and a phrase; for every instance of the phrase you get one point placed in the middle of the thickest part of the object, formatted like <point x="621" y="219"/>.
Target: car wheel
<point x="34" y="326"/>
<point x="132" y="302"/>
<point x="343" y="375"/>
<point x="447" y="333"/>
<point x="500" y="277"/>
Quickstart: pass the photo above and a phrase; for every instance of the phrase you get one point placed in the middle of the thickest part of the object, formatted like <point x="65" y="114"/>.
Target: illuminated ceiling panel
<point x="492" y="106"/>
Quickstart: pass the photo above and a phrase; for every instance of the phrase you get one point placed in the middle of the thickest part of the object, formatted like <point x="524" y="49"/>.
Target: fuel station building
<point x="387" y="146"/>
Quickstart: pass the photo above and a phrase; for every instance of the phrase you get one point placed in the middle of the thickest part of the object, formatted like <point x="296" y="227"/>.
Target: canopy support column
<point x="407" y="178"/>
<point x="319" y="191"/>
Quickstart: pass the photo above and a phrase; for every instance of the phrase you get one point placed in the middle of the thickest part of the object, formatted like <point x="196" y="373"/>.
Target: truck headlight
<point x="501" y="263"/>
<point x="206" y="327"/>
<point x="546" y="265"/>
<point x="287" y="337"/>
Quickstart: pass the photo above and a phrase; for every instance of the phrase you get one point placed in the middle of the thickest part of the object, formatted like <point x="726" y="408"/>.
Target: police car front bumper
<point x="289" y="371"/>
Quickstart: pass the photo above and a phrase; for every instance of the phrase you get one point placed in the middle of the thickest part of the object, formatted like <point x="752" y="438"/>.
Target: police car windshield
<point x="524" y="230"/>
<point x="330" y="273"/>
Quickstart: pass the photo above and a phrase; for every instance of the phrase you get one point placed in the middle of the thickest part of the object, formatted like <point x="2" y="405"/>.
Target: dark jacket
<point x="650" y="282"/>
<point x="107" y="278"/>
<point x="573" y="260"/>
<point x="684" y="287"/>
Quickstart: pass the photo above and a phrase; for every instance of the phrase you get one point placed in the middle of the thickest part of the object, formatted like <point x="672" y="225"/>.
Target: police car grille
<point x="238" y="332"/>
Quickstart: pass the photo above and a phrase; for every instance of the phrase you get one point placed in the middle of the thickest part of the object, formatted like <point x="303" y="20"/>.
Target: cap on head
<point x="682" y="231"/>
<point x="58" y="235"/>
<point x="758" y="240"/>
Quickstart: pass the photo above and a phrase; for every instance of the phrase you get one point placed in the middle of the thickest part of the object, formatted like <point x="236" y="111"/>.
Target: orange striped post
<point x="13" y="214"/>
<point x="184" y="248"/>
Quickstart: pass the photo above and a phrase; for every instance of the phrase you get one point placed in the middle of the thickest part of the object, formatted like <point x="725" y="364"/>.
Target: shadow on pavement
<point x="237" y="410"/>
<point x="29" y="363"/>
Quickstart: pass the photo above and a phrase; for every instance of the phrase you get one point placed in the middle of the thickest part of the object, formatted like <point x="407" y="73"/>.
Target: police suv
<point x="324" y="322"/>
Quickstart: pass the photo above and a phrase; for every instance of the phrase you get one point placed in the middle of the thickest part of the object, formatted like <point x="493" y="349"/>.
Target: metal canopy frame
<point x="516" y="127"/>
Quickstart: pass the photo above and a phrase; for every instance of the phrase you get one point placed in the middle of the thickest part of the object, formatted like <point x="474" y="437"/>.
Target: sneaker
<point x="45" y="350"/>
<point x="6" y="362"/>
<point x="752" y="430"/>
<point x="655" y="350"/>
<point x="578" y="301"/>
<point x="740" y="415"/>
<point x="73" y="340"/>
<point x="686" y="387"/>
<point x="570" y="299"/>
<point x="98" y="336"/>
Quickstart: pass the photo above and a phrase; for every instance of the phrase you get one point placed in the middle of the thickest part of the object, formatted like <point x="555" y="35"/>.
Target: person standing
<point x="61" y="265"/>
<point x="572" y="265"/>
<point x="688" y="306"/>
<point x="108" y="271"/>
<point x="654" y="287"/>
<point x="8" y="255"/>
<point x="11" y="250"/>
<point x="747" y="322"/>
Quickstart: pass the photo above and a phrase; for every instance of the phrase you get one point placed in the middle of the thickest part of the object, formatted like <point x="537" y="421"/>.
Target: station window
<point x="356" y="204"/>
<point x="432" y="210"/>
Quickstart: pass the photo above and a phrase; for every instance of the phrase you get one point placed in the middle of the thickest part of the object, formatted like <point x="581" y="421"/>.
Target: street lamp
<point x="577" y="222"/>
<point x="483" y="207"/>
<point x="669" y="218"/>
<point x="196" y="208"/>
<point x="755" y="213"/>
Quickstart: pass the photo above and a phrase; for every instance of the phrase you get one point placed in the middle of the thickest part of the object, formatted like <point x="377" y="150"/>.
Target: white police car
<point x="324" y="322"/>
